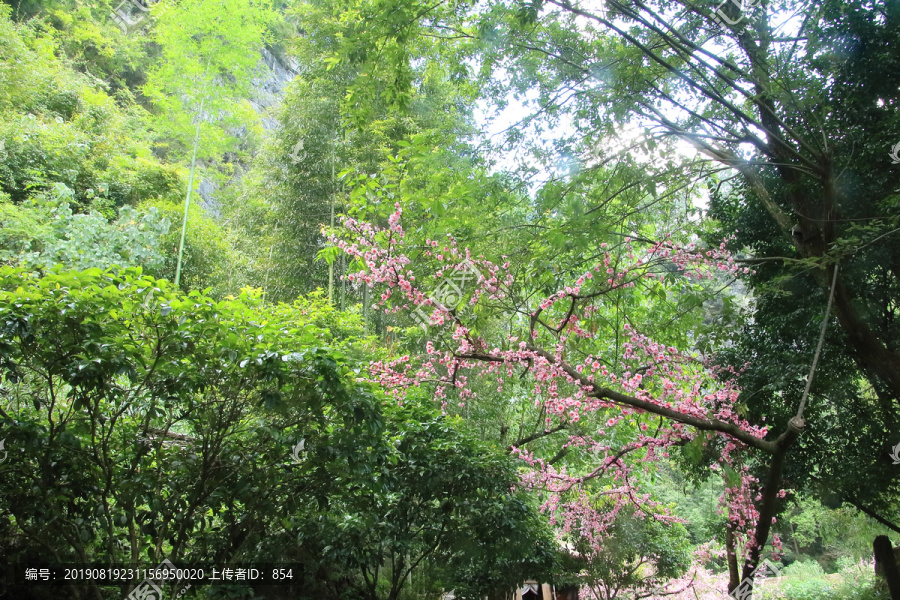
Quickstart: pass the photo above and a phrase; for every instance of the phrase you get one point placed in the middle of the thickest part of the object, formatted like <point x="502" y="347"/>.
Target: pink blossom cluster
<point x="658" y="393"/>
<point x="577" y="513"/>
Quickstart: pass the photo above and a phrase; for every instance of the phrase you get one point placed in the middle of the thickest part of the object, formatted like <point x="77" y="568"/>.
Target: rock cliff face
<point x="268" y="88"/>
<point x="275" y="73"/>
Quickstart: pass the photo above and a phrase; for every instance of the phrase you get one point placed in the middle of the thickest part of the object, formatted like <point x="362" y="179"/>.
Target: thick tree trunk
<point x="887" y="565"/>
<point x="734" y="576"/>
<point x="870" y="352"/>
<point x="815" y="214"/>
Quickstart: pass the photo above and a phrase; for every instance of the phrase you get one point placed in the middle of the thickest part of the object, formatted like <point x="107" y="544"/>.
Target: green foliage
<point x="829" y="534"/>
<point x="208" y="54"/>
<point x="783" y="120"/>
<point x="806" y="581"/>
<point x="87" y="35"/>
<point x="190" y="408"/>
<point x="391" y="66"/>
<point x="328" y="129"/>
<point x="215" y="46"/>
<point x="858" y="582"/>
<point x="210" y="260"/>
<point x="803" y="569"/>
<point x="44" y="232"/>
<point x="97" y="368"/>
<point x="437" y="495"/>
<point x="143" y="423"/>
<point x="852" y="410"/>
<point x="638" y="553"/>
<point x="291" y="189"/>
<point x="697" y="504"/>
<point x="58" y="125"/>
<point x="808" y="589"/>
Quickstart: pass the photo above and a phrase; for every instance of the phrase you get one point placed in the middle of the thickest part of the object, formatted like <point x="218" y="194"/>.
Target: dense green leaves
<point x="44" y="232"/>
<point x="143" y="423"/>
<point x="58" y="125"/>
<point x="639" y="555"/>
<point x="209" y="52"/>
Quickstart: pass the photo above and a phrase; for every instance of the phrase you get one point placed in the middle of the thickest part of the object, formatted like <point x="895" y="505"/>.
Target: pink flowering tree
<point x="653" y="398"/>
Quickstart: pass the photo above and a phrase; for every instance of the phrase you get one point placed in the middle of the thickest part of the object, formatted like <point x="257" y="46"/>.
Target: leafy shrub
<point x="45" y="232"/>
<point x="803" y="569"/>
<point x="805" y="581"/>
<point x="808" y="589"/>
<point x="638" y="554"/>
<point x="858" y="582"/>
<point x="209" y="260"/>
<point x="847" y="564"/>
<point x="831" y="533"/>
<point x="180" y="413"/>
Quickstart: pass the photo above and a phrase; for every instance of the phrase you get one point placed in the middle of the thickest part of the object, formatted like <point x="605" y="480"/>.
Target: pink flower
<point x="552" y="362"/>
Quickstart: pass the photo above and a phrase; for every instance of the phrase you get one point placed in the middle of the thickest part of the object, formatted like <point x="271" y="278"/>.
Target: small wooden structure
<point x="532" y="590"/>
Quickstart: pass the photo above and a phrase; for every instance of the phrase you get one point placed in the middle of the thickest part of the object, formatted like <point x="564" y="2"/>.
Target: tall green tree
<point x="209" y="52"/>
<point x="338" y="117"/>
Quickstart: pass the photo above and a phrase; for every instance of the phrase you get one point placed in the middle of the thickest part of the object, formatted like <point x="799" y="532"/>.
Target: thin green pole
<point x="187" y="200"/>
<point x="365" y="309"/>
<point x="269" y="266"/>
<point x="343" y="284"/>
<point x="331" y="264"/>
